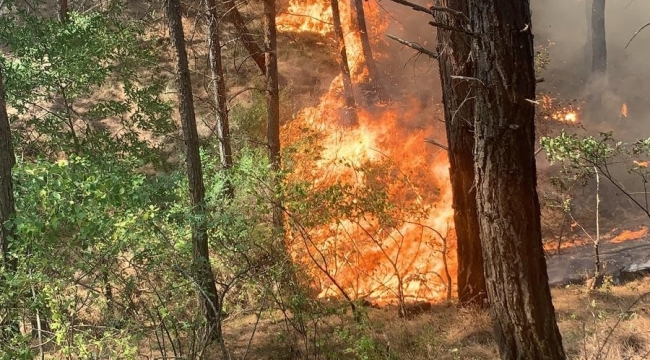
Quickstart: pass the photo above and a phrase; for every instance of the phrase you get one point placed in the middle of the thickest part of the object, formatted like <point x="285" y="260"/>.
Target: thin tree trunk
<point x="598" y="80"/>
<point x="599" y="40"/>
<point x="348" y="91"/>
<point x="219" y="86"/>
<point x="273" y="105"/>
<point x="373" y="72"/>
<point x="62" y="10"/>
<point x="509" y="214"/>
<point x="247" y="38"/>
<point x="454" y="60"/>
<point x="208" y="295"/>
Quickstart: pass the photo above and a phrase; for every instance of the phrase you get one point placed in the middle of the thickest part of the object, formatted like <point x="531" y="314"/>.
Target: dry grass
<point x="609" y="324"/>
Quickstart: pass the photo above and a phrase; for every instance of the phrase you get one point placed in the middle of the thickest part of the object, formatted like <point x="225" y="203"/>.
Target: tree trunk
<point x="7" y="162"/>
<point x="273" y="104"/>
<point x="373" y="72"/>
<point x="62" y="10"/>
<point x="454" y="59"/>
<point x="247" y="38"/>
<point x="7" y="205"/>
<point x="509" y="214"/>
<point x="348" y="92"/>
<point x="219" y="86"/>
<point x="208" y="296"/>
<point x="599" y="40"/>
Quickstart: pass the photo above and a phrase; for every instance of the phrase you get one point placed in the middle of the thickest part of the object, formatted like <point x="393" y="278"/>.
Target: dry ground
<point x="609" y="324"/>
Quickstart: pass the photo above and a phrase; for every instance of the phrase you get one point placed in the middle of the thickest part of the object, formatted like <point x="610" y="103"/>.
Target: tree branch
<point x="433" y="9"/>
<point x="635" y="34"/>
<point x="414" y="46"/>
<point x="447" y="27"/>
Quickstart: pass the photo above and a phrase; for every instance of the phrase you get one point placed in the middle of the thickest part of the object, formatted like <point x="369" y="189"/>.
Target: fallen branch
<point x="414" y="46"/>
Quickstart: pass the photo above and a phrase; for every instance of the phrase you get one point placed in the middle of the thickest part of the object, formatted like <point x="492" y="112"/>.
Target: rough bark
<point x="7" y="204"/>
<point x="373" y="73"/>
<point x="348" y="92"/>
<point x="509" y="214"/>
<point x="208" y="295"/>
<point x="219" y="92"/>
<point x="457" y="96"/>
<point x="7" y="162"/>
<point x="246" y="36"/>
<point x="272" y="103"/>
<point x="598" y="37"/>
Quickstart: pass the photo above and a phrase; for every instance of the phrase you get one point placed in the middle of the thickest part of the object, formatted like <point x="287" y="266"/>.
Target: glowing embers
<point x="563" y="113"/>
<point x="624" y="111"/>
<point x="627" y="235"/>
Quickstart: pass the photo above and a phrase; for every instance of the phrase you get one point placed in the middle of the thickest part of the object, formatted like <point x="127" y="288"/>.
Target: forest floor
<point x="612" y="323"/>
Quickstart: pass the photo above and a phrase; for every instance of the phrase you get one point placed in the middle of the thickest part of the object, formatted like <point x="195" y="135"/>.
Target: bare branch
<point x="433" y="142"/>
<point x="447" y="27"/>
<point x="469" y="78"/>
<point x="635" y="34"/>
<point x="433" y="9"/>
<point x="415" y="46"/>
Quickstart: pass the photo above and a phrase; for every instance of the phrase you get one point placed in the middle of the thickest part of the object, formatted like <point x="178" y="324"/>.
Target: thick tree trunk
<point x="246" y="36"/>
<point x="509" y="214"/>
<point x="599" y="40"/>
<point x="348" y="92"/>
<point x="219" y="91"/>
<point x="7" y="162"/>
<point x="454" y="59"/>
<point x="373" y="73"/>
<point x="273" y="104"/>
<point x="208" y="296"/>
<point x="7" y="203"/>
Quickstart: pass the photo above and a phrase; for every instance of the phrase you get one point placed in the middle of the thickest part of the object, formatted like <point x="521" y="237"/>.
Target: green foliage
<point x="66" y="79"/>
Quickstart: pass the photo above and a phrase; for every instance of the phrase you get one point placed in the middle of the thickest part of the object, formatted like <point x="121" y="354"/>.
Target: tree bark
<point x="62" y="10"/>
<point x="219" y="92"/>
<point x="7" y="162"/>
<point x="598" y="36"/>
<point x="457" y="96"/>
<point x="246" y="36"/>
<point x="208" y="295"/>
<point x="508" y="207"/>
<point x="373" y="72"/>
<point x="273" y="105"/>
<point x="7" y="204"/>
<point x="348" y="92"/>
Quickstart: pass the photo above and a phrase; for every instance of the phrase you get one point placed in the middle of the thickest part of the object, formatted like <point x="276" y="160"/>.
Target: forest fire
<point x="624" y="110"/>
<point x="397" y="250"/>
<point x="627" y="235"/>
<point x="552" y="111"/>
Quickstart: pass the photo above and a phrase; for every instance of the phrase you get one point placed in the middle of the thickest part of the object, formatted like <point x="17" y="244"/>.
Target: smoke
<point x="563" y="25"/>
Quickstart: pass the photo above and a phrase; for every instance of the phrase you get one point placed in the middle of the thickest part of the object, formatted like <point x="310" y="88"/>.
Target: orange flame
<point x="563" y="114"/>
<point x="624" y="110"/>
<point x="378" y="259"/>
<point x="630" y="235"/>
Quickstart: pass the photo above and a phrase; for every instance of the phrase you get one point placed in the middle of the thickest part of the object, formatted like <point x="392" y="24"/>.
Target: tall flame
<point x="380" y="259"/>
